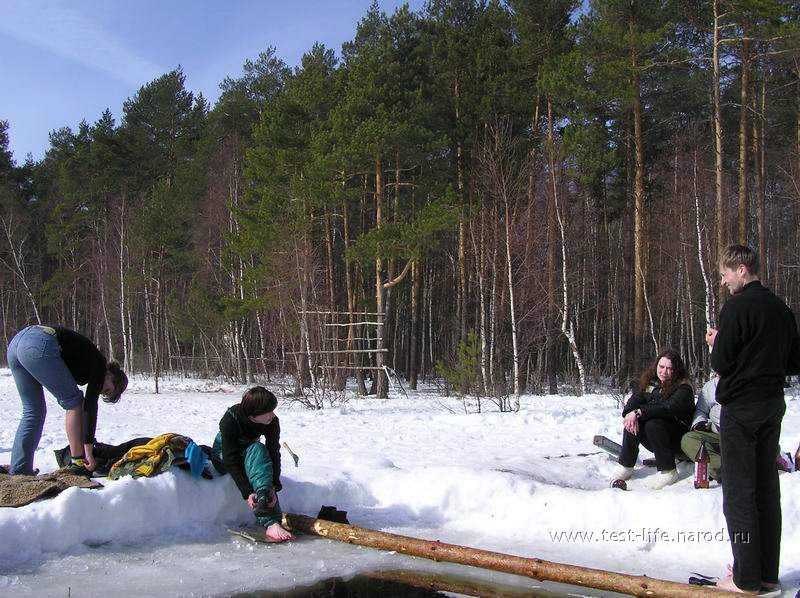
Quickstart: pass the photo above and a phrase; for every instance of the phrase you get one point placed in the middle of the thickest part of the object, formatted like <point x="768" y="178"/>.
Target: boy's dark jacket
<point x="238" y="431"/>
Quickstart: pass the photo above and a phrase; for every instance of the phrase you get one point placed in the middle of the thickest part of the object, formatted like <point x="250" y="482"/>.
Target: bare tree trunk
<point x="760" y="167"/>
<point x="462" y="241"/>
<point x="567" y="326"/>
<point x="550" y="342"/>
<point x="18" y="266"/>
<point x="720" y="204"/>
<point x="639" y="233"/>
<point x="148" y="317"/>
<point x="413" y="364"/>
<point x="479" y="251"/>
<point x="381" y="383"/>
<point x="709" y="294"/>
<point x="743" y="108"/>
<point x="509" y="272"/>
<point x="493" y="307"/>
<point x="306" y="367"/>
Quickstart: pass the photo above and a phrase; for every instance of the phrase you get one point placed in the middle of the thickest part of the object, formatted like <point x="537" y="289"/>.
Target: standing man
<point x="756" y="347"/>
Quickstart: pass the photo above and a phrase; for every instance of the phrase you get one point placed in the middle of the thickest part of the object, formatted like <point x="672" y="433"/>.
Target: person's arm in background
<point x="702" y="411"/>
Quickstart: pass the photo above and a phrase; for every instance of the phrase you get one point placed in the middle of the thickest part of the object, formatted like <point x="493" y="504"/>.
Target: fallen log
<point x="539" y="569"/>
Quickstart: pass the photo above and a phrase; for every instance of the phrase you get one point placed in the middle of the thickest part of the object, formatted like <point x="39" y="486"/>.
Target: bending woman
<point x="657" y="415"/>
<point x="254" y="466"/>
<point x="60" y="359"/>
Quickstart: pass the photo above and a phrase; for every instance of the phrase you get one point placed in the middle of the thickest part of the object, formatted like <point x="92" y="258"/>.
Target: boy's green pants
<point x="258" y="467"/>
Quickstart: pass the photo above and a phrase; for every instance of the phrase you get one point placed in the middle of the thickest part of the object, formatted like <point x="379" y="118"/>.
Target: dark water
<point x="403" y="584"/>
<point x="360" y="586"/>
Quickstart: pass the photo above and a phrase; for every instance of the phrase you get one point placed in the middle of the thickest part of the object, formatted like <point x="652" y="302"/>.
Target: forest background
<point x="517" y="196"/>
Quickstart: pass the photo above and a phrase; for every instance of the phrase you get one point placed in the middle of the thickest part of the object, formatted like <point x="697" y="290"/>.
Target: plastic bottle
<point x="701" y="466"/>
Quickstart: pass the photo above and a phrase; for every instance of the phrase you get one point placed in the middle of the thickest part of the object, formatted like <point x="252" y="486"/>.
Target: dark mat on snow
<point x="20" y="490"/>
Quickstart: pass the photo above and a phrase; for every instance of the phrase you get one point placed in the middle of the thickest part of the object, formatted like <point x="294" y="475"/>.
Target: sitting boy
<point x="254" y="466"/>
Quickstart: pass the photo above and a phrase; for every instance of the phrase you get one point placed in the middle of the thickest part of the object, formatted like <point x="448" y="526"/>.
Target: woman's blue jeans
<point x="34" y="357"/>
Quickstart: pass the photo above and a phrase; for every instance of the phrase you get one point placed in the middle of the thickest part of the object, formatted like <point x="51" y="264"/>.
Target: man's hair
<point x="735" y="255"/>
<point x="258" y="401"/>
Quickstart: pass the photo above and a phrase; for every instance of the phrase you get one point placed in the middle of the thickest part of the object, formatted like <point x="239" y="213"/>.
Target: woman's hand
<point x="251" y="501"/>
<point x="631" y="423"/>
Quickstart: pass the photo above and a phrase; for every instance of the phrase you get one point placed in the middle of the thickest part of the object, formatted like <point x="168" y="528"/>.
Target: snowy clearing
<point x="419" y="466"/>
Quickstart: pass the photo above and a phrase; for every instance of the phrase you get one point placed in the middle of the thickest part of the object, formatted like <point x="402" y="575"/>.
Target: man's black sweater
<point x="756" y="347"/>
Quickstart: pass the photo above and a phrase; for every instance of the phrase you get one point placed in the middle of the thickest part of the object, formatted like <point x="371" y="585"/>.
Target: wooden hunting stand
<point x="335" y="354"/>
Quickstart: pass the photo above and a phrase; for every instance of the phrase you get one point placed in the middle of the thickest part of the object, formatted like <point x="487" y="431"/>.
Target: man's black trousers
<point x="751" y="495"/>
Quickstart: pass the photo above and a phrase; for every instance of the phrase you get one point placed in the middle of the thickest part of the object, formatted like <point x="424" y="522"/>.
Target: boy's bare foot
<point x="276" y="533"/>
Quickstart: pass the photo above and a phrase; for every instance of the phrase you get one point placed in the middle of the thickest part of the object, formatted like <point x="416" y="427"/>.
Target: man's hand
<point x="251" y="500"/>
<point x="711" y="336"/>
<point x="631" y="423"/>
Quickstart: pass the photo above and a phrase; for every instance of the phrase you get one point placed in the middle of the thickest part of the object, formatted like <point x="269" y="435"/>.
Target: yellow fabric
<point x="148" y="457"/>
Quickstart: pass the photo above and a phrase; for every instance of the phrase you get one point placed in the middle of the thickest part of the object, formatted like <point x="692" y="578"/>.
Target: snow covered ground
<point x="499" y="481"/>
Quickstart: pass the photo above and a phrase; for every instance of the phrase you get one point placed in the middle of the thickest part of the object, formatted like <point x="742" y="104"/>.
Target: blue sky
<point x="62" y="61"/>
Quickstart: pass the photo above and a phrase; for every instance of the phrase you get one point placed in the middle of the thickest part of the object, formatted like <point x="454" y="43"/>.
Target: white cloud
<point x="62" y="30"/>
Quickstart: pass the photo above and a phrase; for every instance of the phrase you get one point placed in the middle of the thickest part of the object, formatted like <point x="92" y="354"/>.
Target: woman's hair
<point x="119" y="379"/>
<point x="258" y="401"/>
<point x="678" y="372"/>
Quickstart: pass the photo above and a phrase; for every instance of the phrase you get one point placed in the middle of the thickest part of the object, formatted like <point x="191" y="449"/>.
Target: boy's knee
<point x="257" y="450"/>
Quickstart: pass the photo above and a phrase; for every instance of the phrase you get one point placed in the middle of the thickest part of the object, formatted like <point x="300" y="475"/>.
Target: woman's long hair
<point x="678" y="373"/>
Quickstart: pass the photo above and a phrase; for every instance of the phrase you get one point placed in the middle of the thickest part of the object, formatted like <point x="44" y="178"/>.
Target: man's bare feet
<point x="276" y="533"/>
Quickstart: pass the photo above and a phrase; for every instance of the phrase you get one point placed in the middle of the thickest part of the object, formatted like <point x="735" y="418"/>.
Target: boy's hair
<point x="258" y="401"/>
<point x="735" y="255"/>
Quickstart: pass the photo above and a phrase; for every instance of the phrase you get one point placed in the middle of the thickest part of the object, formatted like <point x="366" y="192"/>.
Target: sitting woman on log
<point x="657" y="415"/>
<point x="254" y="466"/>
